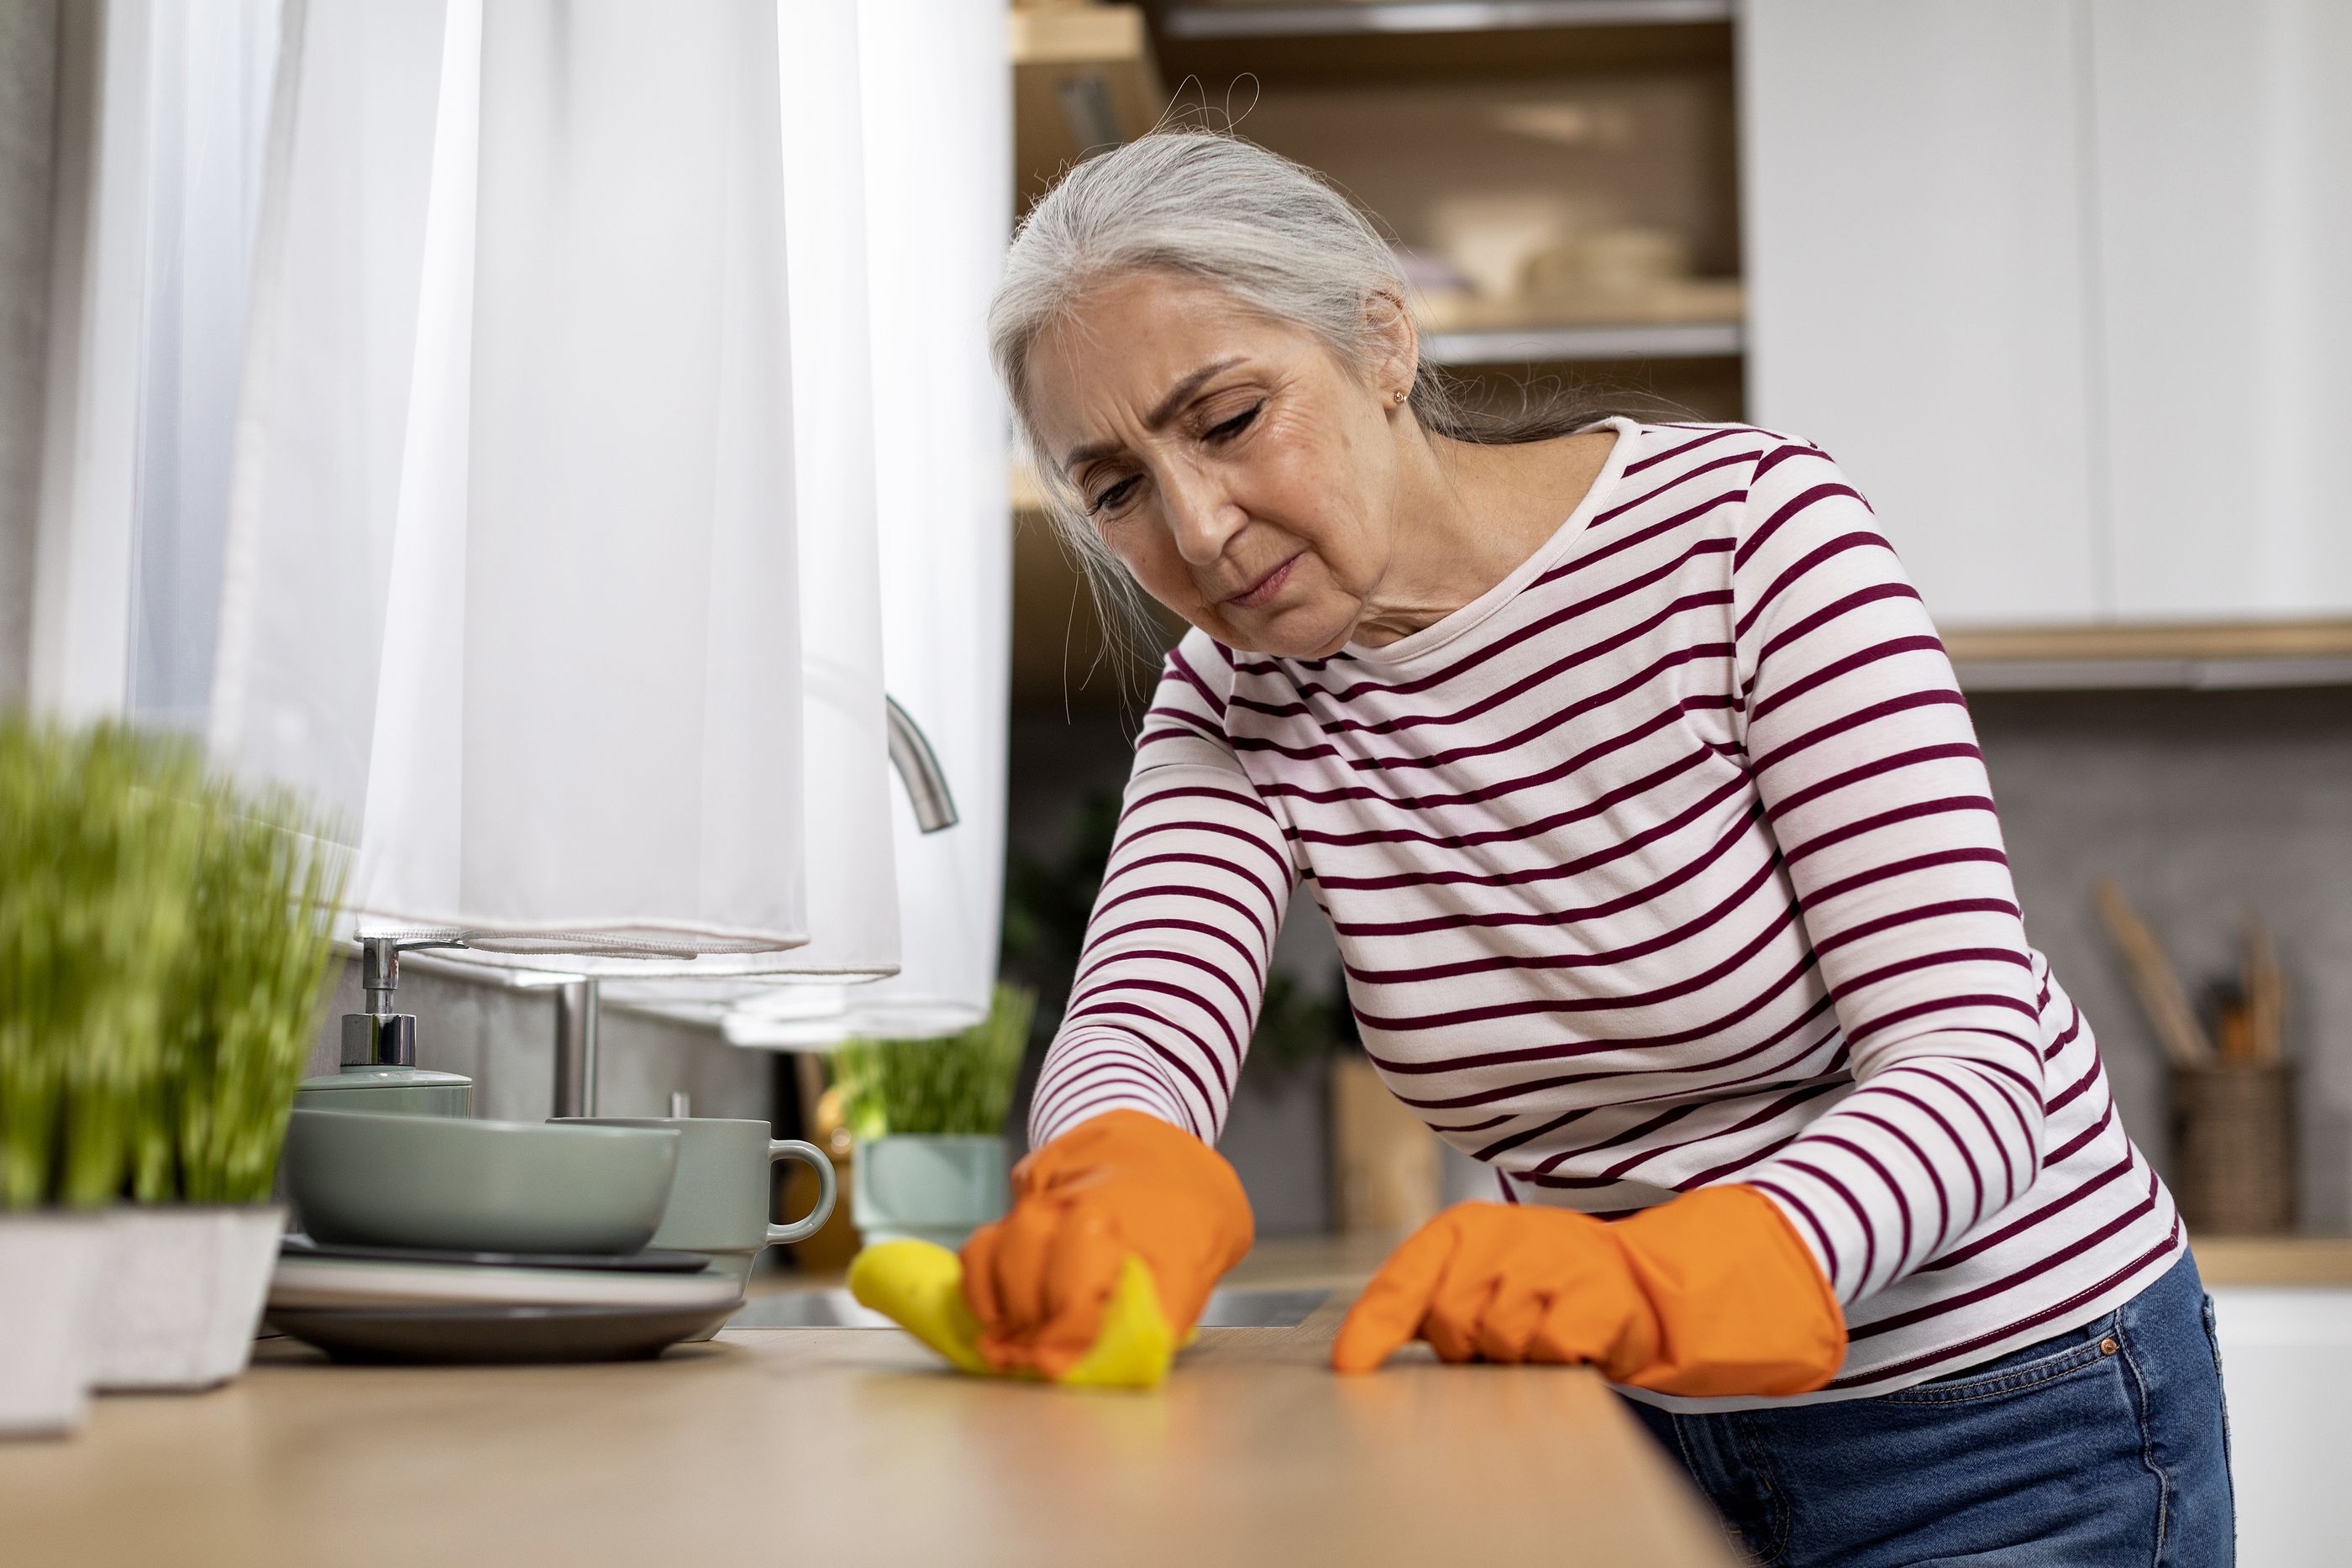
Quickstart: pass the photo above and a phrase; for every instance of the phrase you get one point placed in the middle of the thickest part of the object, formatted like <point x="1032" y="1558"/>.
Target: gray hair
<point x="1271" y="233"/>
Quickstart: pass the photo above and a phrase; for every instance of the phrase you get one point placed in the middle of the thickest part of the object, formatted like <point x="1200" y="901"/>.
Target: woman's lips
<point x="1268" y="585"/>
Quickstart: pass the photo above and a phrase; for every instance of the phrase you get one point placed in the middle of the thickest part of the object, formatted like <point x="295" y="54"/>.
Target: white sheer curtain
<point x="535" y="476"/>
<point x="510" y="568"/>
<point x="929" y="95"/>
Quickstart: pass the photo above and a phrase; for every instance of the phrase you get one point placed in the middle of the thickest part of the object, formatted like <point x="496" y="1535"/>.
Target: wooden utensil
<point x="2153" y="978"/>
<point x="2264" y="980"/>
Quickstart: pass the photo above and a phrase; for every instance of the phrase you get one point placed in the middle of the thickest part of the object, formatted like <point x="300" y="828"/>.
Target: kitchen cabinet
<point x="1912" y="182"/>
<point x="2223" y="249"/>
<point x="2060" y="284"/>
<point x="2286" y="1360"/>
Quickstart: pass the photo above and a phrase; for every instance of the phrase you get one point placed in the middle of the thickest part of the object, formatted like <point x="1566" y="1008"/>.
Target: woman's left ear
<point x="1398" y="355"/>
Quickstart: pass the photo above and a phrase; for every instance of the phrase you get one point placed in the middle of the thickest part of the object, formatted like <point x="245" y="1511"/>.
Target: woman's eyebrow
<point x="1160" y="415"/>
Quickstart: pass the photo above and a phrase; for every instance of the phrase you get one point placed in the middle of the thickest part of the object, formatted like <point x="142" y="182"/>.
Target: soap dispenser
<point x="379" y="1071"/>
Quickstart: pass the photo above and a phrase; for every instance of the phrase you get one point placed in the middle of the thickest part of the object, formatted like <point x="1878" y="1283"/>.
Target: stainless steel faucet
<point x="577" y="1014"/>
<point x="919" y="770"/>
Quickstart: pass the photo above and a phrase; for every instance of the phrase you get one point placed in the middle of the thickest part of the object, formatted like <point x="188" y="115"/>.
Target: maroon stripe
<point x="1731" y="460"/>
<point x="1878" y="821"/>
<point x="1762" y="534"/>
<point x="1491" y="792"/>
<point x="1128" y="984"/>
<point x="1629" y="900"/>
<point x="2167" y="1248"/>
<point x="1136" y="1009"/>
<point x="1697" y="924"/>
<point x="1176" y="1061"/>
<point x="1469" y="1127"/>
<point x="1135" y="954"/>
<point x="1517" y="832"/>
<point x="1860" y="1032"/>
<point x="1892" y="869"/>
<point x="1194" y="792"/>
<point x="2050" y="1210"/>
<point x="1549" y="1085"/>
<point x="1531" y="877"/>
<point x="1861" y="1218"/>
<point x="1754" y="1157"/>
<point x="1935" y="1178"/>
<point x="1341" y="725"/>
<point x="1709" y="439"/>
<point x="1877" y="768"/>
<point x="2000" y="1146"/>
<point x="1951" y="1134"/>
<point x="1589" y="1048"/>
<point x="1774" y="458"/>
<point x="1401" y="761"/>
<point x="1803" y="567"/>
<point x="1860" y="659"/>
<point x="1120" y="868"/>
<point x="2081" y="1140"/>
<point x="1868" y="714"/>
<point x="1769" y="1113"/>
<point x="1546" y="1006"/>
<point x="1791" y="1200"/>
<point x="1903" y="917"/>
<point x="1836" y="609"/>
<point x="1153" y="737"/>
<point x="2067" y="1096"/>
<point x="1886" y="1180"/>
<point x="2031" y="1271"/>
<point x="1209" y="893"/>
<point x="1176" y="662"/>
<point x="1550" y="621"/>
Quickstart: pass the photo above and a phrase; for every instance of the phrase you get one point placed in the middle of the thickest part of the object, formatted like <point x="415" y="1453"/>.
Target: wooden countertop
<point x="848" y="1446"/>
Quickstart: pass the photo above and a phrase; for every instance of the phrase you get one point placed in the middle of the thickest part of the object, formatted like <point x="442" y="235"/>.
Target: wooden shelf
<point x="2210" y="655"/>
<point x="1566" y="345"/>
<point x="1263" y="21"/>
<point x="1083" y="79"/>
<point x="2305" y="1261"/>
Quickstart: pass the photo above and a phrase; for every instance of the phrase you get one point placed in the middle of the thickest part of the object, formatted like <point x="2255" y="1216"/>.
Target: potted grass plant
<point x="164" y="941"/>
<point x="191" y="1253"/>
<point x="928" y="1115"/>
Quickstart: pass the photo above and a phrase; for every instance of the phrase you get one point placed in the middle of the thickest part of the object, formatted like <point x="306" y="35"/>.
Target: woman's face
<point x="1239" y="471"/>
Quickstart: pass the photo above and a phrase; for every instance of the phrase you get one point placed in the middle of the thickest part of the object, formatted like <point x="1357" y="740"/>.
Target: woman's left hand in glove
<point x="1711" y="1294"/>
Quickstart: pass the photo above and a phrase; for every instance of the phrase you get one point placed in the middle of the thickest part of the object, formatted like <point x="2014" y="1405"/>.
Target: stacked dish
<point x="440" y="1239"/>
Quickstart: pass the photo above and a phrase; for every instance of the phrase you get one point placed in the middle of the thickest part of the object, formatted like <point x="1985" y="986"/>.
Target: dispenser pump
<point x="379" y="1036"/>
<point x="379" y="1050"/>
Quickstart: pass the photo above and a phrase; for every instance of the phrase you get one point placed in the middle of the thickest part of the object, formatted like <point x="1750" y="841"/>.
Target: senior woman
<point x="1637" y="788"/>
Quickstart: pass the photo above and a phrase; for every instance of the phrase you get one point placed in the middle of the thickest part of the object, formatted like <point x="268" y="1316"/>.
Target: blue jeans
<point x="2103" y="1446"/>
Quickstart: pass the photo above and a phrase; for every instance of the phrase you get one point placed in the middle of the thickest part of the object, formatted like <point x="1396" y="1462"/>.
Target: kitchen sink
<point x="1233" y="1308"/>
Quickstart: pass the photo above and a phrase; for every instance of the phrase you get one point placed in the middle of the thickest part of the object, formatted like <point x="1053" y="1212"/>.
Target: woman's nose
<point x="1203" y="518"/>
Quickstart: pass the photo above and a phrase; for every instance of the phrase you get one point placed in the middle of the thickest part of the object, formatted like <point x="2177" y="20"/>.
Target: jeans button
<point x="2108" y="1345"/>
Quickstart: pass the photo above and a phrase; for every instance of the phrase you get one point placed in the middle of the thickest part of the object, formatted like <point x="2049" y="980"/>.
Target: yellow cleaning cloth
<point x="919" y="1287"/>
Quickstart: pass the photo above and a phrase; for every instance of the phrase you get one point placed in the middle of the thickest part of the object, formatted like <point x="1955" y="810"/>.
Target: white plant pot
<point x="182" y="1293"/>
<point x="50" y="1264"/>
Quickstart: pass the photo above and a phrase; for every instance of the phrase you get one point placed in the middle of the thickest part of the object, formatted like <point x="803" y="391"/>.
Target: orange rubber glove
<point x="1116" y="1185"/>
<point x="1710" y="1294"/>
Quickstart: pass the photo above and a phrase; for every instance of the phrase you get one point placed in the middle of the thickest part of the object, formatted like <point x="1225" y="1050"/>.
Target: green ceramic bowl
<point x="373" y="1179"/>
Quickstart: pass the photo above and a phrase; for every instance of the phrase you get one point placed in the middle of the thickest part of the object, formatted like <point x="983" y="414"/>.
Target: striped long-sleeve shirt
<point x="1669" y="861"/>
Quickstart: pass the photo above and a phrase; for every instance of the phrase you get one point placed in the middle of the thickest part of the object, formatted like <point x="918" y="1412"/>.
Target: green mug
<point x="718" y="1199"/>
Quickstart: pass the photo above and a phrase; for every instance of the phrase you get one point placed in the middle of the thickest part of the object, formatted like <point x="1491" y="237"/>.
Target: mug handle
<point x="814" y="1158"/>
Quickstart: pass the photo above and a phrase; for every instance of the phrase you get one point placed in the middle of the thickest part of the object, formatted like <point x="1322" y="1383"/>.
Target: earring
<point x="1399" y="399"/>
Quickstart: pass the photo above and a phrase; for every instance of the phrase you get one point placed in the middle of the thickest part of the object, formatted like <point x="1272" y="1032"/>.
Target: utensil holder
<point x="2233" y="1147"/>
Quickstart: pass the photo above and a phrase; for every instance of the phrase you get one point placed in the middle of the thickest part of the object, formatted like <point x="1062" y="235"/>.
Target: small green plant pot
<point x="929" y="1187"/>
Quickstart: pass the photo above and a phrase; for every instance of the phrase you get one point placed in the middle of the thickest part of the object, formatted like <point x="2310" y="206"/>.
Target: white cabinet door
<point x="2286" y="1371"/>
<point x="1913" y="201"/>
<point x="2224" y="137"/>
